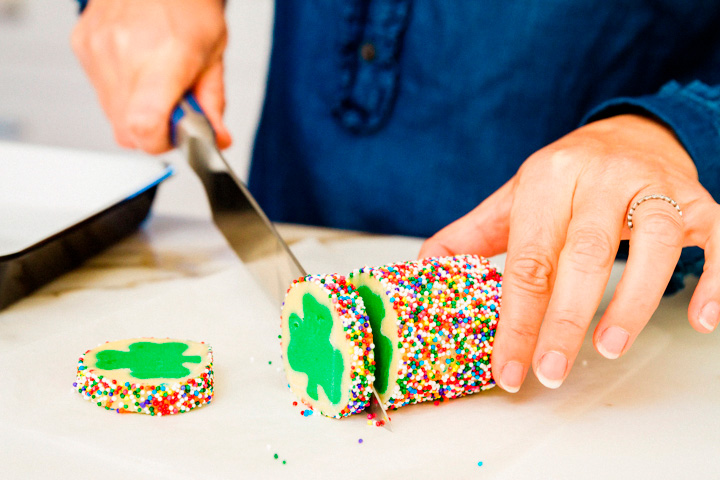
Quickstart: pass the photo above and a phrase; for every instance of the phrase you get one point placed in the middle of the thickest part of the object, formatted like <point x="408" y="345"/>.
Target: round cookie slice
<point x="147" y="375"/>
<point x="433" y="323"/>
<point x="327" y="345"/>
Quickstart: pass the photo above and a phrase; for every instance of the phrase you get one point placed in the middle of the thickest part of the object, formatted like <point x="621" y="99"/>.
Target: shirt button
<point x="367" y="52"/>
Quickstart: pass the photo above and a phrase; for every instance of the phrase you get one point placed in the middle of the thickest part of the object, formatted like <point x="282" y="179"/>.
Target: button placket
<point x="370" y="63"/>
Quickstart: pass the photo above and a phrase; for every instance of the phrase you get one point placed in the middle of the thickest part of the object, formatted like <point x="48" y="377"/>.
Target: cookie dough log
<point x="434" y="324"/>
<point x="147" y="375"/>
<point x="327" y="345"/>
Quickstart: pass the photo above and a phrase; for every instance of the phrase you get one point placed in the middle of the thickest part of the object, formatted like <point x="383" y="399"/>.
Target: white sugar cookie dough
<point x="433" y="323"/>
<point x="327" y="345"/>
<point x="147" y="375"/>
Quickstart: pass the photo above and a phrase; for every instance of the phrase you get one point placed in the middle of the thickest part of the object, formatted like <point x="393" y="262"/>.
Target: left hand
<point x="561" y="219"/>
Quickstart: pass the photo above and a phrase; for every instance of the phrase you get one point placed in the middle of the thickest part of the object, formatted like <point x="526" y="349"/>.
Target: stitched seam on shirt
<point x="700" y="105"/>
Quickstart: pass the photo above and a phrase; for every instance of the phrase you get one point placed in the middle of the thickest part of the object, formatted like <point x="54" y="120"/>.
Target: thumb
<point x="483" y="231"/>
<point x="210" y="93"/>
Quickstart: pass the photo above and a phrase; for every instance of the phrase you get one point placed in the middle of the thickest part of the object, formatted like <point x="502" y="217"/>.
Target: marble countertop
<point x="652" y="414"/>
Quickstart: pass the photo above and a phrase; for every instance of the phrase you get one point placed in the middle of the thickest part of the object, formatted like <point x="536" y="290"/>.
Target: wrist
<point x="655" y="137"/>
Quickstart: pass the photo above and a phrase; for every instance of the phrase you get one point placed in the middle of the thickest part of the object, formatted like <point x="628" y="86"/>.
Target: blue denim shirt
<point x="400" y="116"/>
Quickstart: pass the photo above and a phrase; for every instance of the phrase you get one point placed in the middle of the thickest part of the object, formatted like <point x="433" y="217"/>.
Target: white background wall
<point x="46" y="99"/>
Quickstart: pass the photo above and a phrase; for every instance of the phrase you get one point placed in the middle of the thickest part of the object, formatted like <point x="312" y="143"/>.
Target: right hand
<point x="143" y="55"/>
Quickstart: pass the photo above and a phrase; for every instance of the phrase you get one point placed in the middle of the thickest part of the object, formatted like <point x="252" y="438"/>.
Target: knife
<point x="237" y="214"/>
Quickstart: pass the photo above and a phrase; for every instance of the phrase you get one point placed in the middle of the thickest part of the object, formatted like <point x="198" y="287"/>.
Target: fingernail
<point x="709" y="315"/>
<point x="551" y="370"/>
<point x="511" y="376"/>
<point x="612" y="342"/>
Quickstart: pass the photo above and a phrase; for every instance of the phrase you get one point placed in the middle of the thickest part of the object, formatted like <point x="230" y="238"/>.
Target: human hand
<point x="143" y="55"/>
<point x="561" y="219"/>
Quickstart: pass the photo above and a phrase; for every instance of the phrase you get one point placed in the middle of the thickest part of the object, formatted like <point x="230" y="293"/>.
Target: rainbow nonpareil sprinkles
<point x="145" y="375"/>
<point x="327" y="345"/>
<point x="434" y="324"/>
<point x="420" y="330"/>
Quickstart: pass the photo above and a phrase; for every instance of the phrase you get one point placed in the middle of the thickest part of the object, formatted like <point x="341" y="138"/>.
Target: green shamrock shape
<point x="383" y="347"/>
<point x="149" y="360"/>
<point x="310" y="351"/>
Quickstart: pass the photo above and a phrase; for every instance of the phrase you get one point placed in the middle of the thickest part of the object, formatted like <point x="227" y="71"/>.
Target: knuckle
<point x="122" y="138"/>
<point x="590" y="250"/>
<point x="144" y="124"/>
<point x="570" y="321"/>
<point x="519" y="331"/>
<point x="96" y="44"/>
<point x="663" y="226"/>
<point x="553" y="164"/>
<point x="562" y="159"/>
<point x="532" y="273"/>
<point x="120" y="39"/>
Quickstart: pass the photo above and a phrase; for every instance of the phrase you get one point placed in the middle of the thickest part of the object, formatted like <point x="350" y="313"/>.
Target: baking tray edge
<point x="21" y="273"/>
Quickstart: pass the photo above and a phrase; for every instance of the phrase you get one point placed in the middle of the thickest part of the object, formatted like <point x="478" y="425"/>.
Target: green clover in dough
<point x="149" y="360"/>
<point x="310" y="351"/>
<point x="383" y="346"/>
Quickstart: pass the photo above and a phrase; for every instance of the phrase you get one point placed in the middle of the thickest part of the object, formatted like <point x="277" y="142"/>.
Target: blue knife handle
<point x="187" y="107"/>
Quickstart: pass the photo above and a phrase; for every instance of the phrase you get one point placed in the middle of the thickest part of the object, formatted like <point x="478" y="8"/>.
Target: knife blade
<point x="237" y="214"/>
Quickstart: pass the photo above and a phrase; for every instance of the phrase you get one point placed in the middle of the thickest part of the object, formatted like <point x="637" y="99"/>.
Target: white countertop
<point x="655" y="413"/>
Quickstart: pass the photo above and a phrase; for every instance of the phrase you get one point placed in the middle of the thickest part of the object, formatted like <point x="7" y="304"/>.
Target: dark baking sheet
<point x="102" y="221"/>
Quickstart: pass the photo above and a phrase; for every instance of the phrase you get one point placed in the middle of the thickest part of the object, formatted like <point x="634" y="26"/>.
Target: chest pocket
<point x="370" y="48"/>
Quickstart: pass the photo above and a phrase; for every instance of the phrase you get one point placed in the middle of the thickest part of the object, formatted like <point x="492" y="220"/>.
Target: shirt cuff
<point x="81" y="5"/>
<point x="691" y="111"/>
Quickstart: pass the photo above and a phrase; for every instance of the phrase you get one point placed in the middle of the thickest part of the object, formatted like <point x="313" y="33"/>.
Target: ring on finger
<point x="655" y="196"/>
